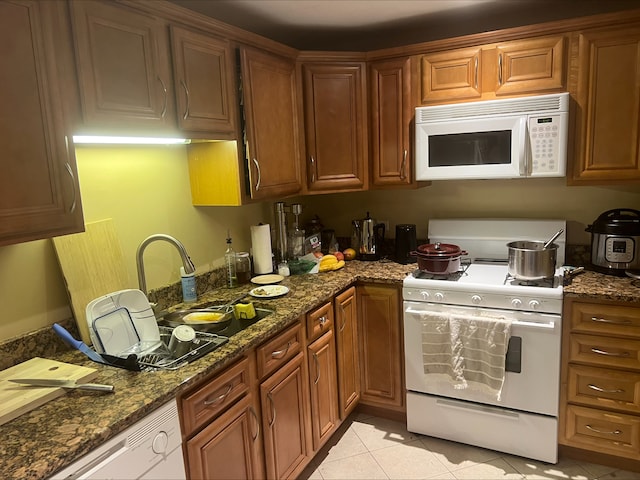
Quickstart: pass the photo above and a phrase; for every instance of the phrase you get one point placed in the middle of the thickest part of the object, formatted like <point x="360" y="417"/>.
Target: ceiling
<point x="361" y="25"/>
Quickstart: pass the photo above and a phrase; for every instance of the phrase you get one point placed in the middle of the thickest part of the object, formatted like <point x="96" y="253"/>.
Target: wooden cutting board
<point x="92" y="265"/>
<point x="17" y="399"/>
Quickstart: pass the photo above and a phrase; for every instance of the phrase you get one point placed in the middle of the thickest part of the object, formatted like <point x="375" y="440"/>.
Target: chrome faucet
<point x="189" y="267"/>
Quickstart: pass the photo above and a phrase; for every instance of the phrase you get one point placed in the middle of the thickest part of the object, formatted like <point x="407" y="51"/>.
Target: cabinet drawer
<point x="277" y="351"/>
<point x="605" y="319"/>
<point x="599" y="387"/>
<point x="319" y="321"/>
<point x="601" y="431"/>
<point x="605" y="351"/>
<point x="205" y="403"/>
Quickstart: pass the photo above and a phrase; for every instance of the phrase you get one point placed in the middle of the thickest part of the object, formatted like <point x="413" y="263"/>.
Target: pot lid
<point x="440" y="249"/>
<point x="620" y="221"/>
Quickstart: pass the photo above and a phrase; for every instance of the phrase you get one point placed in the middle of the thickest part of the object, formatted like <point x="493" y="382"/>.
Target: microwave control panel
<point x="548" y="144"/>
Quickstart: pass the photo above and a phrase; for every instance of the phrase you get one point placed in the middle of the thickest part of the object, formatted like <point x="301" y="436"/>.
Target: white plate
<point x="269" y="291"/>
<point x="267" y="279"/>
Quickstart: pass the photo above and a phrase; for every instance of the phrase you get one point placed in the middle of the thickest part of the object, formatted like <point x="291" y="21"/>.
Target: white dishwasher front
<point x="151" y="449"/>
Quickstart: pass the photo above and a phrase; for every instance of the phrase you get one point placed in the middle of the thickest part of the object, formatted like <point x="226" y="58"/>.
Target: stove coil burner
<point x="543" y="282"/>
<point x="451" y="277"/>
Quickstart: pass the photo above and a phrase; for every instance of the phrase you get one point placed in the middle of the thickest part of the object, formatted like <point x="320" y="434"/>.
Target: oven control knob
<point x="516" y="303"/>
<point x="476" y="299"/>
<point x="439" y="296"/>
<point x="160" y="443"/>
<point x="425" y="295"/>
<point x="534" y="304"/>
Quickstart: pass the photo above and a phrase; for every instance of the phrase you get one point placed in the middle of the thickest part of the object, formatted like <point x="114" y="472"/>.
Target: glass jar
<point x="243" y="268"/>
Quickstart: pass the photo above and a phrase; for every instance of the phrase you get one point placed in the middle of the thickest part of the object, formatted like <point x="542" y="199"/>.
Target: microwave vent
<point x="524" y="105"/>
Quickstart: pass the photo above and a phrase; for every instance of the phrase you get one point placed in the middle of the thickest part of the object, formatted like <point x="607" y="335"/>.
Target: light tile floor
<point x="367" y="447"/>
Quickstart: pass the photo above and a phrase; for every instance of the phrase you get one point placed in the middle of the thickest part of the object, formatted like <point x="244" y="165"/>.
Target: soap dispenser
<point x="230" y="264"/>
<point x="189" y="294"/>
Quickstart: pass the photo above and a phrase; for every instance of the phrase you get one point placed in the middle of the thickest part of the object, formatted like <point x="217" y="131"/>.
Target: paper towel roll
<point x="261" y="246"/>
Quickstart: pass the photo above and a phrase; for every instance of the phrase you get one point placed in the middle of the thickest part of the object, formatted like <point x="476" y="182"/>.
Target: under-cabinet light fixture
<point x="95" y="139"/>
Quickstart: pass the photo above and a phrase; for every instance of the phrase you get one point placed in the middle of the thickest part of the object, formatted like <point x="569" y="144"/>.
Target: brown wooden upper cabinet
<point x="271" y="119"/>
<point x="335" y="126"/>
<point x="124" y="63"/>
<point x="39" y="190"/>
<point x="607" y="118"/>
<point x="391" y="114"/>
<point x="534" y="65"/>
<point x="123" y="67"/>
<point x="204" y="74"/>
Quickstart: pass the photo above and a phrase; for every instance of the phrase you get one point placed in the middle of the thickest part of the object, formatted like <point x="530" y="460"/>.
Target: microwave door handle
<point x="523" y="142"/>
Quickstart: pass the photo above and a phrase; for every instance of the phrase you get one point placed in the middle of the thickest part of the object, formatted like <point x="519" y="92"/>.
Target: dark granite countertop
<point x="40" y="442"/>
<point x="597" y="286"/>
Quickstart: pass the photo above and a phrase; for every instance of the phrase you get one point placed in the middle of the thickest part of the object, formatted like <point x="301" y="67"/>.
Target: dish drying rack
<point x="161" y="358"/>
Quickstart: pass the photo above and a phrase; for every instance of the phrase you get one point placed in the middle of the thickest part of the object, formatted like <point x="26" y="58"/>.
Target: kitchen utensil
<point x="439" y="258"/>
<point x="615" y="241"/>
<point x="93" y="265"/>
<point x="550" y="241"/>
<point x="371" y="238"/>
<point x="181" y="340"/>
<point x="405" y="243"/>
<point x="16" y="400"/>
<point x="57" y="383"/>
<point x="529" y="260"/>
<point x="77" y="344"/>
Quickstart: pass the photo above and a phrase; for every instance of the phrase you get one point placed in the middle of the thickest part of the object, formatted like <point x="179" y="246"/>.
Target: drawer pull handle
<point x="281" y="353"/>
<point x="221" y="398"/>
<point x="615" y="322"/>
<point x="344" y="318"/>
<point x="604" y="390"/>
<point x="255" y="416"/>
<point x="257" y="187"/>
<point x="614" y="432"/>
<point x="610" y="354"/>
<point x="273" y="410"/>
<point x="186" y="92"/>
<point x="164" y="97"/>
<point x="403" y="166"/>
<point x="323" y="319"/>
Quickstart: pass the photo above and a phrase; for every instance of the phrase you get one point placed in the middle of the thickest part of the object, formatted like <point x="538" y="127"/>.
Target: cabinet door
<point x="39" y="191"/>
<point x="451" y="75"/>
<point x="381" y="352"/>
<point x="203" y="71"/>
<point x="335" y="126"/>
<point x="229" y="447"/>
<point x="285" y="419"/>
<point x="391" y="115"/>
<point x="123" y="68"/>
<point x="607" y="93"/>
<point x="324" y="389"/>
<point x="531" y="65"/>
<point x="346" y="328"/>
<point x="270" y="112"/>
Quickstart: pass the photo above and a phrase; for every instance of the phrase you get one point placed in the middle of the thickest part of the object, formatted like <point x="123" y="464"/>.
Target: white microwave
<point x="509" y="138"/>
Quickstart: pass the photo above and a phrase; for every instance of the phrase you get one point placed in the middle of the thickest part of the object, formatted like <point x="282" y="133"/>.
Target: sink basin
<point x="226" y="323"/>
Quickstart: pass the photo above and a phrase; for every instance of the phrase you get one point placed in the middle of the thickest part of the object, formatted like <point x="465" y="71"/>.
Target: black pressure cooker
<point x="615" y="241"/>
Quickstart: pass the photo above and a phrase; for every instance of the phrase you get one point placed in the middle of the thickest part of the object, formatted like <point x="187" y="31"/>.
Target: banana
<point x="330" y="263"/>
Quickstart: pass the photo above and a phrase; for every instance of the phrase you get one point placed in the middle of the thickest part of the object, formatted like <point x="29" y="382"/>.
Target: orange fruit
<point x="349" y="254"/>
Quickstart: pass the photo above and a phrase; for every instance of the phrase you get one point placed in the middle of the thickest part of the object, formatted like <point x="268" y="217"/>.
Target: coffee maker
<point x="405" y="243"/>
<point x="371" y="237"/>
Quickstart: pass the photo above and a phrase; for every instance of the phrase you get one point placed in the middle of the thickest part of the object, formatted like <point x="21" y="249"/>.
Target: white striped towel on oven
<point x="468" y="350"/>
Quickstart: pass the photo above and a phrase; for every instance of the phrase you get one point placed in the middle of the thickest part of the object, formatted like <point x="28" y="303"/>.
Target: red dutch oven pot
<point x="439" y="258"/>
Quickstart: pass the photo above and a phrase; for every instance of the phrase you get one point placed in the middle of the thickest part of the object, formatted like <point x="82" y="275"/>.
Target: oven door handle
<point x="547" y="325"/>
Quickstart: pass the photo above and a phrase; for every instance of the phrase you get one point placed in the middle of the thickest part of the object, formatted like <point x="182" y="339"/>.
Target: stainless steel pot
<point x="529" y="260"/>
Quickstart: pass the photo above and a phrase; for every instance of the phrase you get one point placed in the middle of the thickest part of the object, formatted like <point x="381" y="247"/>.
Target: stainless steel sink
<point x="227" y="326"/>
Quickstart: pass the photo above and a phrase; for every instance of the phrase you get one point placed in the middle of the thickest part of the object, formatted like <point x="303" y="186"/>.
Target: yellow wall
<point x="145" y="190"/>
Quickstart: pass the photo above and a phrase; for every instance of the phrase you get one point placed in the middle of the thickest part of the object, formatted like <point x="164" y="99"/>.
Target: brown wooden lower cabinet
<point x="323" y="383"/>
<point x="229" y="447"/>
<point x="381" y="349"/>
<point x="286" y="420"/>
<point x="346" y="329"/>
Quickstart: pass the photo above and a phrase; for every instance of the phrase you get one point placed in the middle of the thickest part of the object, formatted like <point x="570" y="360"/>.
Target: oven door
<point x="532" y="379"/>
